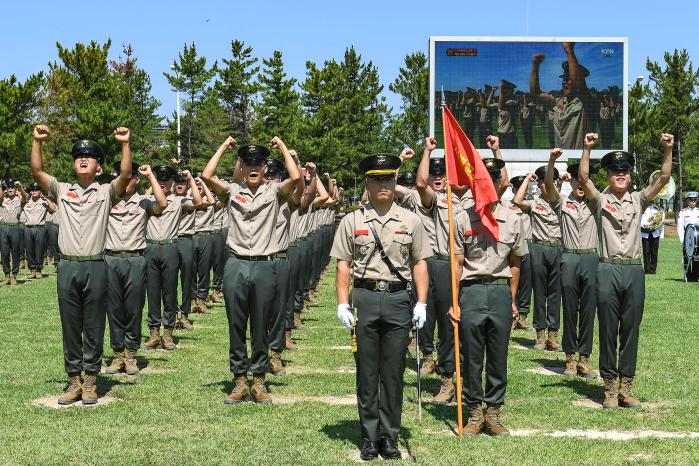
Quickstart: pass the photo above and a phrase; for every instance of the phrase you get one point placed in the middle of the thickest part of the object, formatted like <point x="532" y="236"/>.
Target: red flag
<point x="465" y="168"/>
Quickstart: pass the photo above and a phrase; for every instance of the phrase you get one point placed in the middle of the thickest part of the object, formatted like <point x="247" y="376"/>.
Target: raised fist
<point x="538" y="58"/>
<point x="532" y="176"/>
<point x="41" y="132"/>
<point x="493" y="142"/>
<point x="555" y="153"/>
<point x="311" y="168"/>
<point x="186" y="174"/>
<point x="276" y="142"/>
<point x="568" y="46"/>
<point x="667" y="140"/>
<point x="144" y="170"/>
<point x="430" y="143"/>
<point x="591" y="140"/>
<point x="295" y="156"/>
<point x="406" y="154"/>
<point x="229" y="142"/>
<point x="122" y="134"/>
<point x="565" y="177"/>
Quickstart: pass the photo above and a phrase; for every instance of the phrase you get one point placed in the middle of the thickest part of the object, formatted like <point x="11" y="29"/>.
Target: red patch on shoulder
<point x="116" y="207"/>
<point x="444" y="201"/>
<point x="470" y="232"/>
<point x="240" y="198"/>
<point x="71" y="195"/>
<point x="609" y="208"/>
<point x="401" y="232"/>
<point x="571" y="205"/>
<point x="361" y="232"/>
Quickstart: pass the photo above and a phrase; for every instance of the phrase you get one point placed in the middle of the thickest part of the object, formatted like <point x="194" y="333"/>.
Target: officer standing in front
<point x="382" y="299"/>
<point x="82" y="274"/>
<point x="126" y="267"/>
<point x="545" y="256"/>
<point x="249" y="276"/>
<point x="578" y="269"/>
<point x="620" y="276"/>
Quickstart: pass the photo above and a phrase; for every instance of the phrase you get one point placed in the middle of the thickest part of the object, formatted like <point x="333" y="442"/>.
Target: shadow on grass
<point x="351" y="431"/>
<point x="528" y="342"/>
<point x="444" y="413"/>
<point x="587" y="388"/>
<point x="105" y="384"/>
<point x="141" y="362"/>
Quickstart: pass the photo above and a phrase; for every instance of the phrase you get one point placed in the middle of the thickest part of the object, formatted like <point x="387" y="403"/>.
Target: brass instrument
<point x="668" y="191"/>
<point x="654" y="222"/>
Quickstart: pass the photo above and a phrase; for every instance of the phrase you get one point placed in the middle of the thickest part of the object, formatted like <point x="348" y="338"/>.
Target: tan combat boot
<point x="90" y="388"/>
<point x="521" y="323"/>
<point x="202" y="307"/>
<point x="275" y="364"/>
<point x="289" y="343"/>
<point x="130" y="364"/>
<point x="216" y="297"/>
<point x="552" y="341"/>
<point x="167" y="341"/>
<point x="153" y="341"/>
<point x="23" y="264"/>
<point x="611" y="393"/>
<point x="540" y="340"/>
<point x="476" y="421"/>
<point x="240" y="392"/>
<point x="258" y="390"/>
<point x="626" y="397"/>
<point x="13" y="279"/>
<point x="446" y="392"/>
<point x="183" y="322"/>
<point x="493" y="426"/>
<point x="8" y="279"/>
<point x="297" y="320"/>
<point x="117" y="364"/>
<point x="584" y="369"/>
<point x="74" y="391"/>
<point x="38" y="274"/>
<point x="428" y="364"/>
<point x="571" y="365"/>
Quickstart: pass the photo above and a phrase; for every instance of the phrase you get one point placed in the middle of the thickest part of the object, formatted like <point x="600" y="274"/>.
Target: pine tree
<point x="278" y="111"/>
<point x="237" y="88"/>
<point x="191" y="76"/>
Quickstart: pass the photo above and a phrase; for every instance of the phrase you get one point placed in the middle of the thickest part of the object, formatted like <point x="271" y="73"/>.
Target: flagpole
<point x="454" y="288"/>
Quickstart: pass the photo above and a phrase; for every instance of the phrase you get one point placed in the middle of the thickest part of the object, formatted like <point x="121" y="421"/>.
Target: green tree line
<point x="333" y="116"/>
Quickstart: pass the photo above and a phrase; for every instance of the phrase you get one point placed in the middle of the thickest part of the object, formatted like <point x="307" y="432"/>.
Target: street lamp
<point x="179" y="143"/>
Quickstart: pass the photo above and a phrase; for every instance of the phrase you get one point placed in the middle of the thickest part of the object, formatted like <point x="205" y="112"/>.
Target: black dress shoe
<point x="388" y="450"/>
<point x="369" y="451"/>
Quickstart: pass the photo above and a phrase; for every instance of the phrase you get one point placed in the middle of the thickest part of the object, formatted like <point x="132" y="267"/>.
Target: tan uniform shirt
<point x="282" y="227"/>
<point x="166" y="225"/>
<point x="253" y="219"/>
<point x="545" y="223"/>
<point x="186" y="226"/>
<point x="401" y="235"/>
<point x="426" y="217"/>
<point x="49" y="217"/>
<point x="83" y="216"/>
<point x="126" y="230"/>
<point x="619" y="223"/>
<point x="570" y="123"/>
<point x="35" y="212"/>
<point x="13" y="209"/>
<point x="204" y="218"/>
<point x="523" y="217"/>
<point x="440" y="214"/>
<point x="483" y="256"/>
<point x="578" y="228"/>
<point x="217" y="222"/>
<point x="294" y="225"/>
<point x="408" y="200"/>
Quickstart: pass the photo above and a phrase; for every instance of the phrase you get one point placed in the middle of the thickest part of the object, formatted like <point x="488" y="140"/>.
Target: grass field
<point x="175" y="413"/>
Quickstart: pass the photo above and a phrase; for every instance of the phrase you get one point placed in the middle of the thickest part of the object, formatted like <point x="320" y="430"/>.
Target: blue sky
<point x="382" y="31"/>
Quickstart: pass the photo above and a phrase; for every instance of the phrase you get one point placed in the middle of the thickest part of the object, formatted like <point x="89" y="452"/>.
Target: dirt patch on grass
<point x="321" y="347"/>
<point x="52" y="402"/>
<point x="331" y="400"/>
<point x="318" y="370"/>
<point x="354" y="456"/>
<point x="520" y="347"/>
<point x="553" y="371"/>
<point x="594" y="434"/>
<point x="597" y="404"/>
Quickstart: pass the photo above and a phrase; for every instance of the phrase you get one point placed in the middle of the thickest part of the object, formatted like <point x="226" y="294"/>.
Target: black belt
<point x="204" y="233"/>
<point x="441" y="257"/>
<point x="184" y="236"/>
<point x="281" y="254"/>
<point x="382" y="285"/>
<point x="608" y="260"/>
<point x="159" y="241"/>
<point x="253" y="258"/>
<point x="124" y="253"/>
<point x="95" y="258"/>
<point x="485" y="281"/>
<point x="13" y="224"/>
<point x="580" y="251"/>
<point x="34" y="226"/>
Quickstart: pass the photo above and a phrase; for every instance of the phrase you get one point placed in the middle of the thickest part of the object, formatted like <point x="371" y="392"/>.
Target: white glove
<point x="344" y="313"/>
<point x="419" y="315"/>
